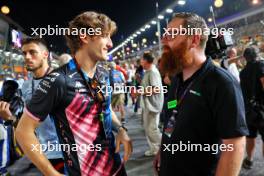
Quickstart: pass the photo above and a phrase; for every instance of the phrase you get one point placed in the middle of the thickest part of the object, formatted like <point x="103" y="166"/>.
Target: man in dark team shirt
<point x="252" y="84"/>
<point x="205" y="125"/>
<point x="77" y="96"/>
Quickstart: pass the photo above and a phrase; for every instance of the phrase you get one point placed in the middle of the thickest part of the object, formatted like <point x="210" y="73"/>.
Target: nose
<point x="27" y="56"/>
<point x="109" y="43"/>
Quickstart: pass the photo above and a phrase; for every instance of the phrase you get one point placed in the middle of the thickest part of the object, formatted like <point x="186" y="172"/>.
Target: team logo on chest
<point x="79" y="87"/>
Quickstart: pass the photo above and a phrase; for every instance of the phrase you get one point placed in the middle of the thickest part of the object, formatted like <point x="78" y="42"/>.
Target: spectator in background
<point x="139" y="74"/>
<point x="252" y="84"/>
<point x="152" y="103"/>
<point x="117" y="82"/>
<point x="230" y="63"/>
<point x="8" y="115"/>
<point x="129" y="80"/>
<point x="119" y="68"/>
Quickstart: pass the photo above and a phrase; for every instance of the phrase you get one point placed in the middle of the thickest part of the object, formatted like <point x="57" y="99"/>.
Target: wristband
<point x="121" y="126"/>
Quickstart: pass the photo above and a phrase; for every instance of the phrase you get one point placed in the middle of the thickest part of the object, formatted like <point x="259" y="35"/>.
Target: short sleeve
<point x="155" y="79"/>
<point x="47" y="96"/>
<point x="228" y="110"/>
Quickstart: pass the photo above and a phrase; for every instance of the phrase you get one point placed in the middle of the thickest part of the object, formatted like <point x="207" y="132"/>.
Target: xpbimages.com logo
<point x="56" y="30"/>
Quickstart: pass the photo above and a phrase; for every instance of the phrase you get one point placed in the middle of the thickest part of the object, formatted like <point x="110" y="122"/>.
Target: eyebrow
<point x="29" y="51"/>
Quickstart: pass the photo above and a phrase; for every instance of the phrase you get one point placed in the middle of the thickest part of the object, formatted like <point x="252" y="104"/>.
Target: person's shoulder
<point x="217" y="75"/>
<point x="56" y="77"/>
<point x="102" y="73"/>
<point x="101" y="69"/>
<point x="154" y="70"/>
<point x="260" y="62"/>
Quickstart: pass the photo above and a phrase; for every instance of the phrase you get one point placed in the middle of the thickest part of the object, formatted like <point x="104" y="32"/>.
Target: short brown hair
<point x="37" y="40"/>
<point x="147" y="56"/>
<point x="192" y="20"/>
<point x="87" y="20"/>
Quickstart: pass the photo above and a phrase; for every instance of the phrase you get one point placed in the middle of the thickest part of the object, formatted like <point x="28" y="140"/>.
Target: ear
<point x="84" y="38"/>
<point x="46" y="54"/>
<point x="195" y="41"/>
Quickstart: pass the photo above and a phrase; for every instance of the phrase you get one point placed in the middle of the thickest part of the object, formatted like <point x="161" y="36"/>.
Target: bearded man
<point x="204" y="129"/>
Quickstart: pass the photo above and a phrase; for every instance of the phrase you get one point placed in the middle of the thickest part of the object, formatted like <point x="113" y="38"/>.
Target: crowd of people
<point x="187" y="99"/>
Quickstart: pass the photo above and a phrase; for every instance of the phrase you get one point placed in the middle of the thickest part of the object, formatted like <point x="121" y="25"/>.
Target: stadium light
<point x="181" y="2"/>
<point x="160" y="17"/>
<point x="153" y="22"/>
<point x="5" y="10"/>
<point x="218" y="3"/>
<point x="169" y="10"/>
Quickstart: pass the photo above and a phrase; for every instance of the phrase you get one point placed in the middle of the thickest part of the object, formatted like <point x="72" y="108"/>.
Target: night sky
<point x="128" y="14"/>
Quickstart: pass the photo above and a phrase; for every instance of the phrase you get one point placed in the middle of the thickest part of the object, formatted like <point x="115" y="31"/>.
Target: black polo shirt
<point x="250" y="81"/>
<point x="212" y="109"/>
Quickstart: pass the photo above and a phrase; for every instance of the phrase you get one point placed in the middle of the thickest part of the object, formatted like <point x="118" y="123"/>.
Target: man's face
<point x="34" y="56"/>
<point x="176" y="50"/>
<point x="144" y="63"/>
<point x="98" y="47"/>
<point x="232" y="53"/>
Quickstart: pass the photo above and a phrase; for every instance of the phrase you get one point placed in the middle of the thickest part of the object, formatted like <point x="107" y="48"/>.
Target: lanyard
<point x="182" y="96"/>
<point x="90" y="89"/>
<point x="94" y="96"/>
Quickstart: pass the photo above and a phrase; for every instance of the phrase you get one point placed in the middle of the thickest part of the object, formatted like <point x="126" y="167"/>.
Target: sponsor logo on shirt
<point x="71" y="75"/>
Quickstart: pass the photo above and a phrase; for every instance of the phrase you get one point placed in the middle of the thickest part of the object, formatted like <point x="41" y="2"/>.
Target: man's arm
<point x="230" y="161"/>
<point x="262" y="82"/>
<point x="122" y="138"/>
<point x="31" y="147"/>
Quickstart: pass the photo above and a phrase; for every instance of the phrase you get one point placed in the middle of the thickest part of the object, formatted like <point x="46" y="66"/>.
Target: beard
<point x="34" y="68"/>
<point x="174" y="60"/>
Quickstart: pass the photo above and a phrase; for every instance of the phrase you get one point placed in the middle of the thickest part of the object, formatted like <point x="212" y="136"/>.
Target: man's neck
<point x="87" y="64"/>
<point x="149" y="67"/>
<point x="39" y="73"/>
<point x="196" y="65"/>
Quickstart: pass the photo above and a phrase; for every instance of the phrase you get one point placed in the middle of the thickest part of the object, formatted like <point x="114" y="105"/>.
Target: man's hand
<point x="167" y="80"/>
<point x="123" y="138"/>
<point x="156" y="163"/>
<point x="262" y="82"/>
<point x="5" y="113"/>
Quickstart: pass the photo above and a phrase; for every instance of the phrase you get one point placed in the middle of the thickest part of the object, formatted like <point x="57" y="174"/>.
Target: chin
<point x="102" y="58"/>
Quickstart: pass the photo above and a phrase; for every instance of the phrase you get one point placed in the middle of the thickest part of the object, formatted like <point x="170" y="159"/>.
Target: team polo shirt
<point x="211" y="110"/>
<point x="63" y="95"/>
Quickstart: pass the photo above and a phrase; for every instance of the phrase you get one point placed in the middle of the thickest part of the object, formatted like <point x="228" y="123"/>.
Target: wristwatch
<point x="121" y="126"/>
